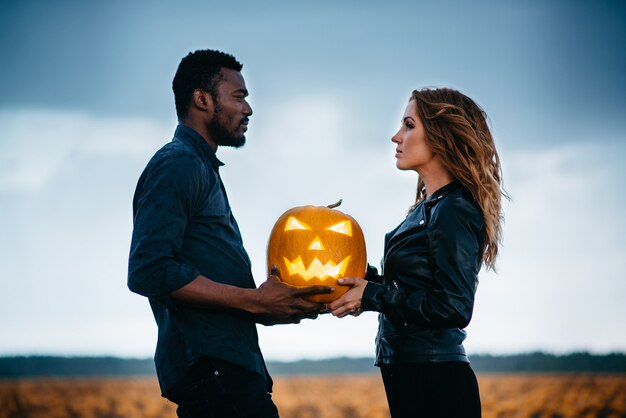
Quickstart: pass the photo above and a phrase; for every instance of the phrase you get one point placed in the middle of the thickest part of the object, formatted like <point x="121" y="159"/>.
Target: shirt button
<point x="421" y="222"/>
<point x="216" y="373"/>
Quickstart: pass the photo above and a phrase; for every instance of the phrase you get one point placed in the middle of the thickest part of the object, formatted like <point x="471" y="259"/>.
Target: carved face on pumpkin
<point x="315" y="245"/>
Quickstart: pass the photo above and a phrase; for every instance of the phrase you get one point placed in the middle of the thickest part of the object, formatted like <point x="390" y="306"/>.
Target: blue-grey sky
<point x="86" y="100"/>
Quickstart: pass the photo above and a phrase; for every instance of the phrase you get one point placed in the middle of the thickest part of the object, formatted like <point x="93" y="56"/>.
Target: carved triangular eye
<point x="344" y="227"/>
<point x="293" y="223"/>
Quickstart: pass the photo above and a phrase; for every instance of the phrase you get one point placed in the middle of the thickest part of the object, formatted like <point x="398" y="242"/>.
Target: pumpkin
<point x="316" y="245"/>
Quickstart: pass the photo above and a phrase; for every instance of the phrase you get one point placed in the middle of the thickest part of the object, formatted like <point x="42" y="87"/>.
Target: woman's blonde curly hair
<point x="456" y="129"/>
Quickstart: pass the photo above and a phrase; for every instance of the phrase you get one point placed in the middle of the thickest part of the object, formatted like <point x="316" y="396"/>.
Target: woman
<point x="425" y="294"/>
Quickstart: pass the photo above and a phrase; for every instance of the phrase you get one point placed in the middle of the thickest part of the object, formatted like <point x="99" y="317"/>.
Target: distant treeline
<point x="51" y="366"/>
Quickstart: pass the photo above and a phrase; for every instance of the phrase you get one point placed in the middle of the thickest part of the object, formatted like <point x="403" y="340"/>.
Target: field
<point x="342" y="396"/>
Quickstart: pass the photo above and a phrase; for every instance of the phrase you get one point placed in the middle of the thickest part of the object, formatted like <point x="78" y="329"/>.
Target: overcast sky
<point x="86" y="100"/>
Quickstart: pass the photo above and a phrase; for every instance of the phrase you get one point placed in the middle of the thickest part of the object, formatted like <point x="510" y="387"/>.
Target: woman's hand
<point x="350" y="302"/>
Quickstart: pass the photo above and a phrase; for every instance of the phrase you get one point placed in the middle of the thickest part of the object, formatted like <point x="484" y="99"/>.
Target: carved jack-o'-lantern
<point x="316" y="245"/>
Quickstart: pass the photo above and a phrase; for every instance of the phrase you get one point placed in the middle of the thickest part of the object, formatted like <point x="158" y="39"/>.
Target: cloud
<point x="67" y="224"/>
<point x="560" y="284"/>
<point x="560" y="271"/>
<point x="66" y="230"/>
<point x="36" y="144"/>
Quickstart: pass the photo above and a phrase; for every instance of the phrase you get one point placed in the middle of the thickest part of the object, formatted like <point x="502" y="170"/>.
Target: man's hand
<point x="273" y="302"/>
<point x="280" y="303"/>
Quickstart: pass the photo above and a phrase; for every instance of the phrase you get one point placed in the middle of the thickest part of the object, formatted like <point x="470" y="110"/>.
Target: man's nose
<point x="247" y="110"/>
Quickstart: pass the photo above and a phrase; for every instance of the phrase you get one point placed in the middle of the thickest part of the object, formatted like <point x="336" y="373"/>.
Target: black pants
<point x="216" y="388"/>
<point x="432" y="390"/>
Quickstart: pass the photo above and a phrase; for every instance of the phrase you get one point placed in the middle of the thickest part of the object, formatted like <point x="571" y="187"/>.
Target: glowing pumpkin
<point x="316" y="245"/>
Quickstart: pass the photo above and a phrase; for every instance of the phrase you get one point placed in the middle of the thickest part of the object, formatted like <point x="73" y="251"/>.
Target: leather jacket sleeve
<point x="455" y="236"/>
<point x="371" y="274"/>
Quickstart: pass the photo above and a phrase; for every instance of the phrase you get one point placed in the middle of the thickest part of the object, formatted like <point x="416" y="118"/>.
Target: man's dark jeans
<point x="215" y="388"/>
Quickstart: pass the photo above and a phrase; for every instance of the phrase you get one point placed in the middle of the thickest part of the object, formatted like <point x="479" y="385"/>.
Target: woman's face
<point x="412" y="149"/>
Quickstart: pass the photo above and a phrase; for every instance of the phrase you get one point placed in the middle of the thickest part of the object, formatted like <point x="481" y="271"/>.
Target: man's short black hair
<point x="199" y="70"/>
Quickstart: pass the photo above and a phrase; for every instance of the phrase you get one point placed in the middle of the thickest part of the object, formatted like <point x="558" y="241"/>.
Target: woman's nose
<point x="396" y="138"/>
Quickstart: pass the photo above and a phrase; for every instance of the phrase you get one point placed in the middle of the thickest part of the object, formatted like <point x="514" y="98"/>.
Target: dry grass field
<point x="503" y="396"/>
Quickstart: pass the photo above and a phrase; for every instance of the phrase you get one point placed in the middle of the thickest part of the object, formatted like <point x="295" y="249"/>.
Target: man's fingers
<point x="273" y="278"/>
<point x="313" y="290"/>
<point x="308" y="307"/>
<point x="274" y="270"/>
<point x="310" y="315"/>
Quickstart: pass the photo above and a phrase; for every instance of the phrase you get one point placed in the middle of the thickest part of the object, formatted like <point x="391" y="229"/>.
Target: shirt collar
<point x="190" y="136"/>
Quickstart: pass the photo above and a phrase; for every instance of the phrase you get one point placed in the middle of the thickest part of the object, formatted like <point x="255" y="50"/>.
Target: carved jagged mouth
<point x="316" y="269"/>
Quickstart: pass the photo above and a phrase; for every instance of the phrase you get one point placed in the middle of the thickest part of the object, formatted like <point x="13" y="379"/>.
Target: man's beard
<point x="222" y="136"/>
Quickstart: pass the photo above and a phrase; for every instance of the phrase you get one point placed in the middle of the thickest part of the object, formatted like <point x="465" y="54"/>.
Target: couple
<point x="188" y="258"/>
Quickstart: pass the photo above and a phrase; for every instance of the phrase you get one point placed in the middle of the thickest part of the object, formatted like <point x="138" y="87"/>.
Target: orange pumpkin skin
<point x="315" y="245"/>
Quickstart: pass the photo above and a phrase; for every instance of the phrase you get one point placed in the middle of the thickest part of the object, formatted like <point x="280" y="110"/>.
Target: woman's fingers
<point x="346" y="310"/>
<point x="347" y="281"/>
<point x="352" y="298"/>
<point x="345" y="305"/>
<point x="338" y="303"/>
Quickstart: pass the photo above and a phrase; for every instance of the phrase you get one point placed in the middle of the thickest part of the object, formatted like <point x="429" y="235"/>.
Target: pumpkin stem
<point x="334" y="205"/>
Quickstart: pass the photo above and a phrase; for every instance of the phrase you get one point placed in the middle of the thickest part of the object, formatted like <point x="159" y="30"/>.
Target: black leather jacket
<point x="430" y="272"/>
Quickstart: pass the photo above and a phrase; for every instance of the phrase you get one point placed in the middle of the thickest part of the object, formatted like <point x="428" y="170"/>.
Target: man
<point x="187" y="255"/>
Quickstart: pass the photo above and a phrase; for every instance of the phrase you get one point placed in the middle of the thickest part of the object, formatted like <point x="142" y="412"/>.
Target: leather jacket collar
<point x="418" y="218"/>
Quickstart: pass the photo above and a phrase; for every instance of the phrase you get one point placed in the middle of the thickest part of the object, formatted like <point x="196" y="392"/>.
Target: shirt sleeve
<point x="162" y="207"/>
<point x="455" y="242"/>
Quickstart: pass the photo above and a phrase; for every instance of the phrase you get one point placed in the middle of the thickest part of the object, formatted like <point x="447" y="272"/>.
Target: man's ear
<point x="202" y="101"/>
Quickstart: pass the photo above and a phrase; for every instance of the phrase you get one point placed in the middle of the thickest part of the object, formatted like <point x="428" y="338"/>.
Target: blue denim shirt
<point x="184" y="227"/>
